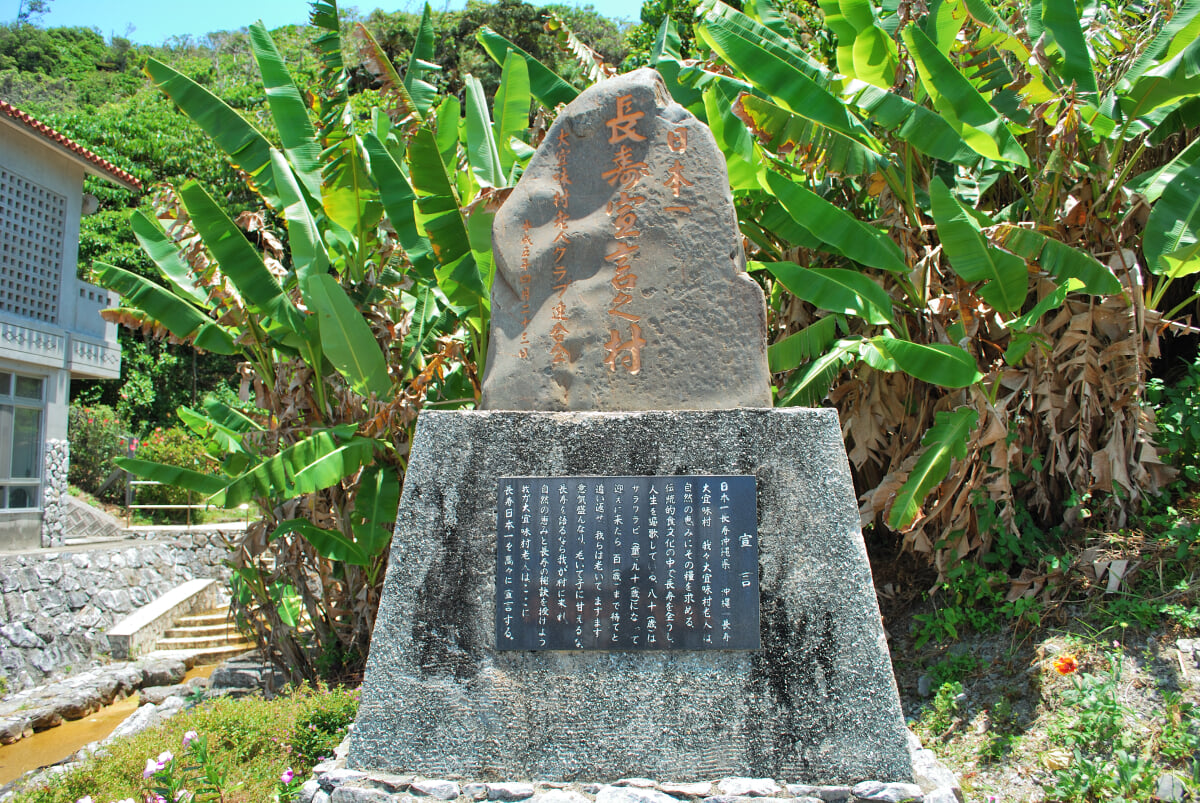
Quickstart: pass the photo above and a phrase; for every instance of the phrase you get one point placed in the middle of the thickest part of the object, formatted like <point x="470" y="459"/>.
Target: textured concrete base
<point x="817" y="703"/>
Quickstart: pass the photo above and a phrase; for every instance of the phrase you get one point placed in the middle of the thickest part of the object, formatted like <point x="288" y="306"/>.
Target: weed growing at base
<point x="250" y="745"/>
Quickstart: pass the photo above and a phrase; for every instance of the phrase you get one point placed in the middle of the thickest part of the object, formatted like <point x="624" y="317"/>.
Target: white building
<point x="50" y="325"/>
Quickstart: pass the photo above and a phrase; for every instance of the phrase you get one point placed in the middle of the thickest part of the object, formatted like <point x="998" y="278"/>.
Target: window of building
<point x="32" y="225"/>
<point x="22" y="411"/>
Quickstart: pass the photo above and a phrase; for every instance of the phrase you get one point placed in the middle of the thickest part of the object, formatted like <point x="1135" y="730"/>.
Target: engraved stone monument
<point x="628" y="564"/>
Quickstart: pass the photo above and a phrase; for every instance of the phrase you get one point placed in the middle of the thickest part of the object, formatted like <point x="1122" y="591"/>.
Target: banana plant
<point x="373" y="302"/>
<point x="930" y="253"/>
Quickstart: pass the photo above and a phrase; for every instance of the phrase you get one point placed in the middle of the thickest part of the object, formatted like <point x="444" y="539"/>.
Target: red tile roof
<point x="102" y="167"/>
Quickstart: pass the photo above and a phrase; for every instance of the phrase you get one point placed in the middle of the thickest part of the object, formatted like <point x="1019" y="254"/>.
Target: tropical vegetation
<point x="973" y="225"/>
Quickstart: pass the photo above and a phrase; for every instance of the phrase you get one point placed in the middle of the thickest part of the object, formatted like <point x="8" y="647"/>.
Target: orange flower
<point x="1066" y="664"/>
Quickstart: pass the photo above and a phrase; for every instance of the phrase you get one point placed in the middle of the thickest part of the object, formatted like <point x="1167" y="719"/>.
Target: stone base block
<point x="817" y="703"/>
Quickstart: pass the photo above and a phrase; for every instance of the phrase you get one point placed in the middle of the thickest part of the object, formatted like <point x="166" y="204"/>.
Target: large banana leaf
<point x="547" y="86"/>
<point x="921" y="128"/>
<point x="798" y="136"/>
<point x="1059" y="259"/>
<point x="716" y="20"/>
<point x="375" y="507"/>
<point x="838" y="230"/>
<point x="1182" y="28"/>
<point x="329" y="544"/>
<point x="163" y="252"/>
<point x="1061" y="21"/>
<point x="510" y="108"/>
<point x="239" y="260"/>
<point x="228" y="417"/>
<point x="1174" y="79"/>
<point x="967" y="112"/>
<point x="288" y="110"/>
<point x="347" y="339"/>
<point x="865" y="51"/>
<point x="1152" y="183"/>
<point x="937" y="363"/>
<point x="804" y="346"/>
<point x="309" y="257"/>
<point x="748" y="42"/>
<point x="742" y="162"/>
<point x="245" y="146"/>
<point x="208" y="485"/>
<point x="319" y="461"/>
<point x="482" y="153"/>
<point x="667" y="58"/>
<point x="945" y="441"/>
<point x="1174" y="222"/>
<point x="778" y="73"/>
<point x="349" y="196"/>
<point x="994" y="32"/>
<point x="440" y="215"/>
<point x="393" y="85"/>
<point x="420" y="64"/>
<point x="227" y="440"/>
<point x="943" y="22"/>
<point x="809" y="384"/>
<point x="1052" y="301"/>
<point x="1004" y="276"/>
<point x="178" y="316"/>
<point x="397" y="197"/>
<point x="835" y="290"/>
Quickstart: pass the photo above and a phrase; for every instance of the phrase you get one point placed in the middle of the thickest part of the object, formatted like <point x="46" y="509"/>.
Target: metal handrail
<point x="130" y="507"/>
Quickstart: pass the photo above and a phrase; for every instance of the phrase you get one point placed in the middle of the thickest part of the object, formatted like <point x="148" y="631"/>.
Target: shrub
<point x="323" y="727"/>
<point x="174" y="446"/>
<point x="97" y="437"/>
<point x="1177" y="414"/>
<point x="246" y="742"/>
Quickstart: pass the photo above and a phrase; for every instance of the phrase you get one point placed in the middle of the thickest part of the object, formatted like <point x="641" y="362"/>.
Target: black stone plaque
<point x="627" y="563"/>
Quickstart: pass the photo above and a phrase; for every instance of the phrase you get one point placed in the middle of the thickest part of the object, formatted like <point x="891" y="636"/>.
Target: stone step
<point x="201" y="631"/>
<point x="205" y="618"/>
<point x="136" y="633"/>
<point x="205" y="655"/>
<point x="198" y="642"/>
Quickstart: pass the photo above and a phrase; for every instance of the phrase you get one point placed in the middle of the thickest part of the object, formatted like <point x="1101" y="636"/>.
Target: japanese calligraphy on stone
<point x="619" y="267"/>
<point x="627" y="563"/>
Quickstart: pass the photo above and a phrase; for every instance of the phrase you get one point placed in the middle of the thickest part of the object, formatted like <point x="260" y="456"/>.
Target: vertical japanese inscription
<point x="626" y="173"/>
<point x="627" y="563"/>
<point x="562" y="195"/>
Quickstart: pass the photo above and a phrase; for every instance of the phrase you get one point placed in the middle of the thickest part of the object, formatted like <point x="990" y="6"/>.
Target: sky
<point x="152" y="22"/>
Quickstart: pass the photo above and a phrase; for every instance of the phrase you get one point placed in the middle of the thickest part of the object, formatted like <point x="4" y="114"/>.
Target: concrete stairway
<point x="208" y="636"/>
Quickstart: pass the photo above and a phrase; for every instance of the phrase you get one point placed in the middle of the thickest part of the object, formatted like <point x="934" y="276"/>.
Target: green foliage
<point x="249" y="745"/>
<point x="953" y="668"/>
<point x="1110" y="758"/>
<point x="453" y="35"/>
<point x="97" y="436"/>
<point x="933" y="158"/>
<point x="941" y="713"/>
<point x="322" y="727"/>
<point x="1177" y="415"/>
<point x="173" y="446"/>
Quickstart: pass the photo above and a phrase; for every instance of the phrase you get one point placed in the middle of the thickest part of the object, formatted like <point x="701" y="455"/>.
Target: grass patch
<point x="250" y="744"/>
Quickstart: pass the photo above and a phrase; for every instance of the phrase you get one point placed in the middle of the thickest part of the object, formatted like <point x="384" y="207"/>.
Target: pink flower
<point x="86" y="799"/>
<point x="190" y="737"/>
<point x="165" y="758"/>
<point x="151" y="768"/>
<point x="287" y="776"/>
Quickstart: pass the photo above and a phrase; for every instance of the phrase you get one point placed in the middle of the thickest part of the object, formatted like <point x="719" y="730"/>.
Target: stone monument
<point x="628" y="564"/>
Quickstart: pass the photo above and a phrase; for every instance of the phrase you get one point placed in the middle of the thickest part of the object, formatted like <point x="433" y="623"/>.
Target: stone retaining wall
<point x="56" y="605"/>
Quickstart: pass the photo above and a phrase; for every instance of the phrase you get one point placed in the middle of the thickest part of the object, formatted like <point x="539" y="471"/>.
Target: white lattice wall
<point x="32" y="219"/>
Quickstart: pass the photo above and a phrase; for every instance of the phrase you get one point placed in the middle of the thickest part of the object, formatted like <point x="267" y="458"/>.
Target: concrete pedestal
<point x="817" y="703"/>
